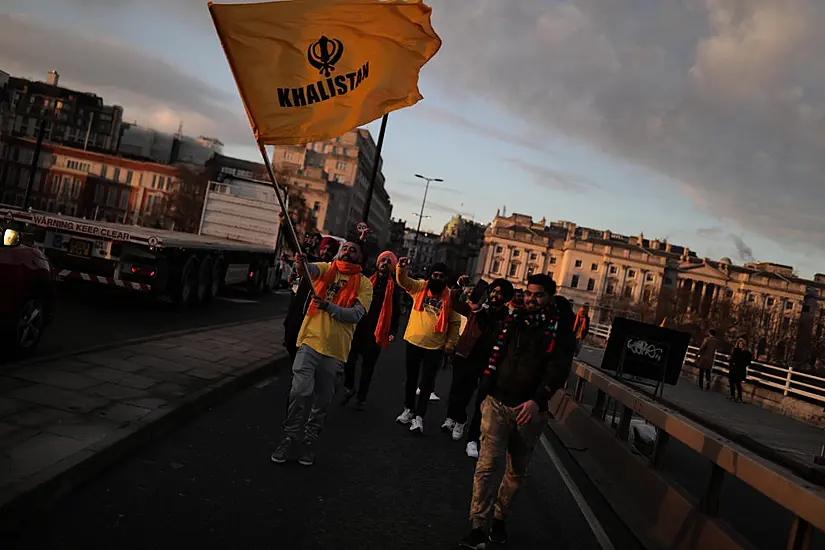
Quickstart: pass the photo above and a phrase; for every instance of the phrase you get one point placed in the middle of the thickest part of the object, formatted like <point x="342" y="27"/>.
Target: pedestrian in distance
<point x="472" y="355"/>
<point x="740" y="360"/>
<point x="342" y="297"/>
<point x="432" y="332"/>
<point x="581" y="326"/>
<point x="531" y="360"/>
<point x="706" y="358"/>
<point x="375" y="331"/>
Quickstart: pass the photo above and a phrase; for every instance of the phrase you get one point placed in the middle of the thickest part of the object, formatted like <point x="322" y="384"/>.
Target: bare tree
<point x="185" y="205"/>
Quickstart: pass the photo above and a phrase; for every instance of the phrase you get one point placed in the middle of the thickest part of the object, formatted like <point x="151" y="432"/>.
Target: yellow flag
<point x="311" y="70"/>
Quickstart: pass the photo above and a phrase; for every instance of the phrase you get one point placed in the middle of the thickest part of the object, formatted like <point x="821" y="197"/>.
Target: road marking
<point x="237" y="300"/>
<point x="587" y="512"/>
<point x="265" y="383"/>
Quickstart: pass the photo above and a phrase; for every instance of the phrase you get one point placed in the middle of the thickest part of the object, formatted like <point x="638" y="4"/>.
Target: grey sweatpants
<point x="314" y="378"/>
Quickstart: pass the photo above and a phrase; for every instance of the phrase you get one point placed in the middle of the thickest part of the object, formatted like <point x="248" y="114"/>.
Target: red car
<point x="27" y="290"/>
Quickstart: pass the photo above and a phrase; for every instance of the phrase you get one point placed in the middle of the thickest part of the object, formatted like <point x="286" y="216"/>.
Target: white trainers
<point x="472" y="449"/>
<point x="405" y="417"/>
<point x="418" y="391"/>
<point x="417" y="425"/>
<point x="458" y="431"/>
<point x="448" y="425"/>
<point x="434" y="397"/>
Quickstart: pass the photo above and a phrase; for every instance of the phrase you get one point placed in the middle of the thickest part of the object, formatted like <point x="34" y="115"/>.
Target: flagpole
<point x="375" y="167"/>
<point x="278" y="191"/>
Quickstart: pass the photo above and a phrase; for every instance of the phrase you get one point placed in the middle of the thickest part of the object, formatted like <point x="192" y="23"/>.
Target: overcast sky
<point x="700" y="121"/>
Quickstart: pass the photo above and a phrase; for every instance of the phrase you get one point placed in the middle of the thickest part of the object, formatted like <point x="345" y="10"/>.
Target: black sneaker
<point x="476" y="540"/>
<point x="348" y="394"/>
<point x="307" y="457"/>
<point x="283" y="451"/>
<point x="498" y="532"/>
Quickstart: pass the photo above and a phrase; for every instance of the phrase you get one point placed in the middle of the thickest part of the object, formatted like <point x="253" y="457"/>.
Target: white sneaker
<point x="417" y="425"/>
<point x="434" y="397"/>
<point x="458" y="431"/>
<point x="405" y="417"/>
<point x="418" y="391"/>
<point x="448" y="425"/>
<point x="472" y="449"/>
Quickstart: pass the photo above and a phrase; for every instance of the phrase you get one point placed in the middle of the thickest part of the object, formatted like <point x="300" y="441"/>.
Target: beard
<point x="346" y="258"/>
<point x="437" y="286"/>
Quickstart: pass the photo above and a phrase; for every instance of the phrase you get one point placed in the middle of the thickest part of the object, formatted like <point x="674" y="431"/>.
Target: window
<point x="533" y="255"/>
<point x="578" y="263"/>
<point x="612" y="269"/>
<point x="574" y="282"/>
<point x="786" y="322"/>
<point x="751" y="298"/>
<point x="55" y="183"/>
<point x="499" y="250"/>
<point x="770" y="301"/>
<point x="66" y="188"/>
<point x="789" y="305"/>
<point x="161" y="183"/>
<point x="104" y="171"/>
<point x="340" y="165"/>
<point x="287" y="156"/>
<point x="594" y="267"/>
<point x="649" y="277"/>
<point x="628" y="292"/>
<point x="129" y="176"/>
<point x="729" y="293"/>
<point x="516" y="253"/>
<point x="316" y="207"/>
<point x="76" y="188"/>
<point x="98" y="194"/>
<point x="124" y="200"/>
<point x="513" y="269"/>
<point x="116" y="175"/>
<point x="111" y="197"/>
<point x="631" y="273"/>
<point x="591" y="284"/>
<point x="552" y="259"/>
<point x="609" y="289"/>
<point x="530" y="271"/>
<point x="496" y="266"/>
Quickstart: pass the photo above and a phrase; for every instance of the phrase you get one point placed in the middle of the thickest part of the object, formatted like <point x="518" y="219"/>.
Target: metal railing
<point x="785" y="380"/>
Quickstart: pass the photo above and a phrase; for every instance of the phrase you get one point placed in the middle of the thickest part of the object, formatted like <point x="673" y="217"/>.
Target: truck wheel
<point x="187" y="286"/>
<point x="202" y="294"/>
<point x="29" y="326"/>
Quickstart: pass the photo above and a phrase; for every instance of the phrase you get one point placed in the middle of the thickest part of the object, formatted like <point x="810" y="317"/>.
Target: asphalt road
<point x="210" y="484"/>
<point x="90" y="315"/>
<point x="761" y="521"/>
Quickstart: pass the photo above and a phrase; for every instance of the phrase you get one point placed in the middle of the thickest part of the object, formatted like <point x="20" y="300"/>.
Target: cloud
<point x="431" y="206"/>
<point x="554" y="179"/>
<point x="151" y="90"/>
<point x="726" y="97"/>
<point x="745" y="252"/>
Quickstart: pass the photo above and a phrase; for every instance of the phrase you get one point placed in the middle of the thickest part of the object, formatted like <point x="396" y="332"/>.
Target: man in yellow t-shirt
<point x="432" y="331"/>
<point x="342" y="298"/>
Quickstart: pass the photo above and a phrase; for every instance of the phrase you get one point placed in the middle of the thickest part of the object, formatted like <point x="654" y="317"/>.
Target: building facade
<point x="82" y="183"/>
<point x="74" y="119"/>
<point x="148" y="144"/>
<point x="460" y="245"/>
<point x="423" y="252"/>
<point x="335" y="177"/>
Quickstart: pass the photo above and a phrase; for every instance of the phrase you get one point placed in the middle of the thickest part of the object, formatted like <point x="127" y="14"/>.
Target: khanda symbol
<point x="324" y="54"/>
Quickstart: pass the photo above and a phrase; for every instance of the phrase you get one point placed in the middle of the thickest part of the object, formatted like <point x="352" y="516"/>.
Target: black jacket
<point x="480" y="334"/>
<point x="739" y="362"/>
<point x="536" y="356"/>
<point x="365" y="331"/>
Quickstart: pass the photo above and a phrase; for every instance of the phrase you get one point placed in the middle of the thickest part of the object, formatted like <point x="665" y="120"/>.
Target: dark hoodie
<point x="535" y="355"/>
<point x="366" y="327"/>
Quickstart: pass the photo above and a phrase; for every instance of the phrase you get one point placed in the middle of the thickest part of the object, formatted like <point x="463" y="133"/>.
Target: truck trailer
<point x="241" y="247"/>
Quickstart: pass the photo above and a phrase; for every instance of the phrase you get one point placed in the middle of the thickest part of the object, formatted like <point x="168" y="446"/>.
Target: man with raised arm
<point x="432" y="331"/>
<point x="342" y="297"/>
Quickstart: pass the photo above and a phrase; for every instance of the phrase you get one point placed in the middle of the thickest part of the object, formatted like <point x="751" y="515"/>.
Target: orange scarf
<point x="580" y="323"/>
<point x="382" y="329"/>
<point x="347" y="296"/>
<point x="441" y="325"/>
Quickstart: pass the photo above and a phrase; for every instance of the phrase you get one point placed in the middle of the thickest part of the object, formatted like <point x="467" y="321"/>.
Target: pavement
<point x="89" y="315"/>
<point x="210" y="484"/>
<point x="60" y="419"/>
<point x="791" y="440"/>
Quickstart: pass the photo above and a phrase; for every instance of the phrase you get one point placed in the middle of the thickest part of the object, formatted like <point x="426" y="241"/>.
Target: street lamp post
<point x="415" y="246"/>
<point x="423" y="202"/>
<point x="51" y="111"/>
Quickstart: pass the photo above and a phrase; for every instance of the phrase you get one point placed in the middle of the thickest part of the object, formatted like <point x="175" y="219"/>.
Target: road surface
<point x="89" y="315"/>
<point x="210" y="484"/>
